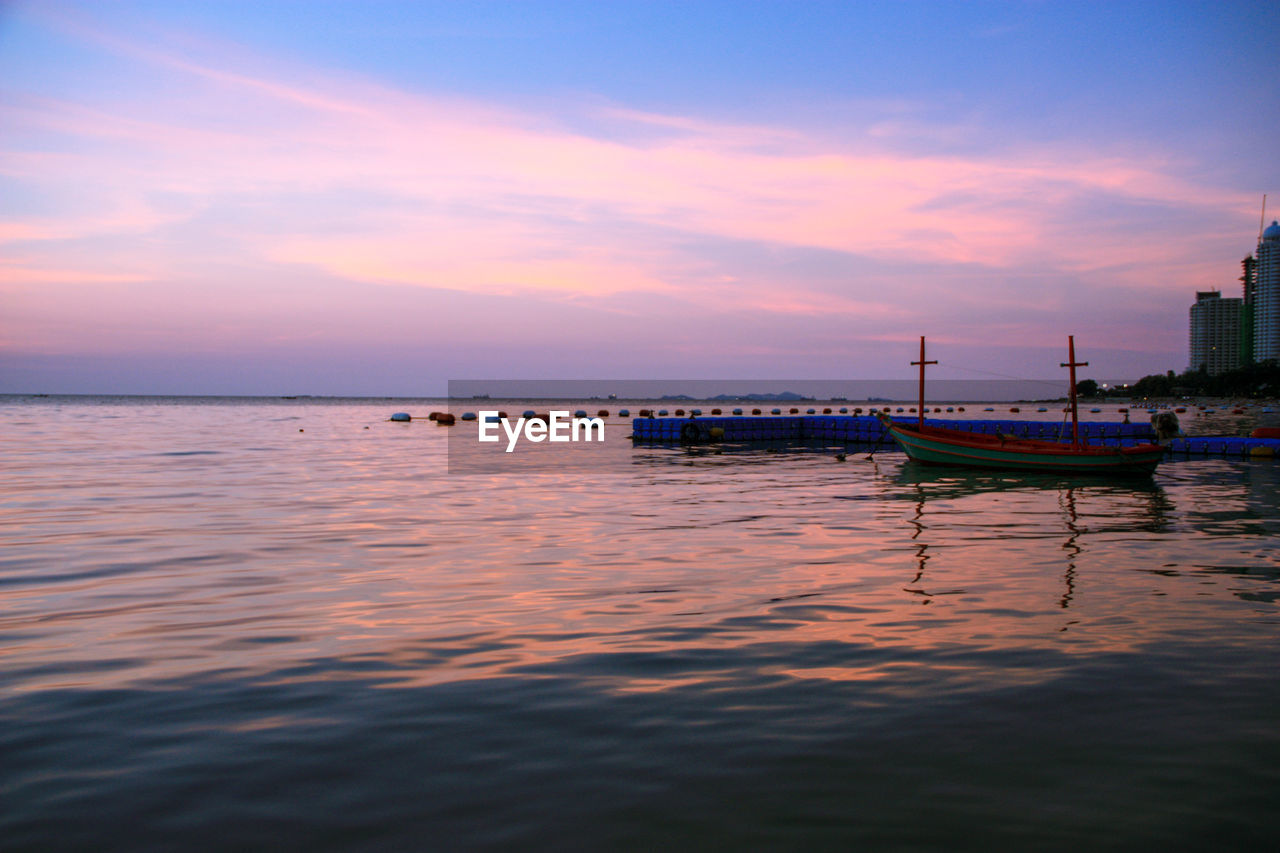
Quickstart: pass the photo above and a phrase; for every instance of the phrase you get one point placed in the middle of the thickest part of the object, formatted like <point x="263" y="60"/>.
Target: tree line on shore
<point x="1252" y="381"/>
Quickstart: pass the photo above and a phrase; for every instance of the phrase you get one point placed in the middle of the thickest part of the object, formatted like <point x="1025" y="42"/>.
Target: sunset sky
<point x="373" y="198"/>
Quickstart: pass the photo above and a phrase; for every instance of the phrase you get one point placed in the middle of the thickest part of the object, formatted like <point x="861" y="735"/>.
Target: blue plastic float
<point x="861" y="430"/>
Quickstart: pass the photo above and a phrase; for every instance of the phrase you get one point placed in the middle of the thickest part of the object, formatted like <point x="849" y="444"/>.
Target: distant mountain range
<point x="782" y="397"/>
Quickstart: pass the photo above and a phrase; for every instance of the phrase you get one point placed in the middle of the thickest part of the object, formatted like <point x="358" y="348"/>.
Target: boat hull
<point x="948" y="447"/>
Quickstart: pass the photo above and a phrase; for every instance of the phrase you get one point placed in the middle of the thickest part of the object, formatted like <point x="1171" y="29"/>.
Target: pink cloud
<point x="440" y="152"/>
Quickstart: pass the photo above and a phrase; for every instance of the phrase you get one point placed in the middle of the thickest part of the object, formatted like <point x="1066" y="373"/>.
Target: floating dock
<point x="865" y="430"/>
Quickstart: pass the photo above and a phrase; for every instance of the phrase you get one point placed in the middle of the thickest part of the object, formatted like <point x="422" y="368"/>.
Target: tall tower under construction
<point x="1248" y="267"/>
<point x="1265" y="302"/>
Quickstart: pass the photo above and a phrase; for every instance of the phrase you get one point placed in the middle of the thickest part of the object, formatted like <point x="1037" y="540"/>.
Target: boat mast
<point x="1073" y="364"/>
<point x="922" y="363"/>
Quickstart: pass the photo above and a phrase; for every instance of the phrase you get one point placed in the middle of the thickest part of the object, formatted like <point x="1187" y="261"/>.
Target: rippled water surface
<point x="249" y="624"/>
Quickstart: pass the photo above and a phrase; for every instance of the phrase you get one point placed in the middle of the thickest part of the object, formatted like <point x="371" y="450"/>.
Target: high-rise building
<point x="1266" y="296"/>
<point x="1215" y="332"/>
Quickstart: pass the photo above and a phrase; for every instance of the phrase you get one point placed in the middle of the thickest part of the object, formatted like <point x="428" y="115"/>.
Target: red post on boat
<point x="1073" y="364"/>
<point x="922" y="363"/>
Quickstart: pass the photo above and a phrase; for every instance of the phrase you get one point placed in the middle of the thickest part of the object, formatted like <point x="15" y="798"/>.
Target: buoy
<point x="1262" y="450"/>
<point x="1014" y="409"/>
<point x="950" y="409"/>
<point x="755" y="411"/>
<point x="679" y="413"/>
<point x="844" y="410"/>
<point x="580" y="413"/>
<point x="716" y="433"/>
<point x="489" y="419"/>
<point x="529" y="413"/>
<point x="1265" y="432"/>
<point x="961" y="408"/>
<point x="1180" y="409"/>
<point x="811" y="411"/>
<point x="795" y="411"/>
<point x="624" y="413"/>
<point x="715" y="411"/>
<point x="662" y="413"/>
<point x="826" y="411"/>
<point x="735" y="411"/>
<point x="433" y="416"/>
<point x="444" y="419"/>
<point x="777" y="411"/>
<point x="401" y="416"/>
<point x="467" y="416"/>
<point x="912" y="410"/>
<point x="695" y="412"/>
<point x="603" y="413"/>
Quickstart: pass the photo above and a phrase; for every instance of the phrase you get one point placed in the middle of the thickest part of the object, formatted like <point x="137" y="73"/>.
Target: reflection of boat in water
<point x="1131" y="504"/>
<point x="949" y="482"/>
<point x="1089" y="508"/>
<point x="937" y="445"/>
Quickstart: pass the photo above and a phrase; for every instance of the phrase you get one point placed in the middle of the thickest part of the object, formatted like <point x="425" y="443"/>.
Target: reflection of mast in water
<point x="1136" y="507"/>
<point x="1067" y="500"/>
<point x="922" y="551"/>
<point x="922" y="548"/>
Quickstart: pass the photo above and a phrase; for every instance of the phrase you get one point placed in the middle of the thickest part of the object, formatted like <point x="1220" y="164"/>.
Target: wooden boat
<point x="937" y="445"/>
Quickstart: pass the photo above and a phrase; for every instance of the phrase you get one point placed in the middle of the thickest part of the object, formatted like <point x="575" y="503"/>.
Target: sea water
<point x="270" y="624"/>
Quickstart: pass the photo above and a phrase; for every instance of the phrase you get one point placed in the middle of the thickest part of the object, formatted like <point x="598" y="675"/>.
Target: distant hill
<point x="781" y="397"/>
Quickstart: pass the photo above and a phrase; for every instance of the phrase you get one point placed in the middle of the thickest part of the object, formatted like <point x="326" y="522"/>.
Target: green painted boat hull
<point x="979" y="451"/>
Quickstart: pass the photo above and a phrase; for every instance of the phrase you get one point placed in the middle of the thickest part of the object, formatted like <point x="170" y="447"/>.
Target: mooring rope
<point x="1047" y="382"/>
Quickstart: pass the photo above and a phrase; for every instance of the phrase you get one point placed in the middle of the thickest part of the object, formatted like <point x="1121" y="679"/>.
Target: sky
<point x="374" y="198"/>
